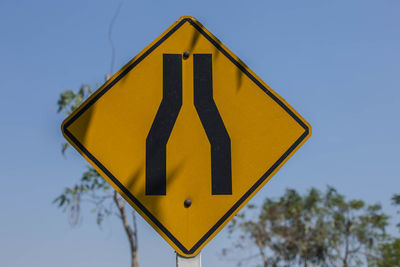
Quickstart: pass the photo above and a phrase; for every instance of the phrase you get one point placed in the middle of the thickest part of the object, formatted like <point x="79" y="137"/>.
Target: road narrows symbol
<point x="160" y="131"/>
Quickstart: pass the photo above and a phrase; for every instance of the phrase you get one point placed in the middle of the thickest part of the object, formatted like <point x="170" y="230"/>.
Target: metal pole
<point x="188" y="262"/>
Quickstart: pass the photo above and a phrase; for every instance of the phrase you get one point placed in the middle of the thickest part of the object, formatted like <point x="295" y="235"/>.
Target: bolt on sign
<point x="186" y="133"/>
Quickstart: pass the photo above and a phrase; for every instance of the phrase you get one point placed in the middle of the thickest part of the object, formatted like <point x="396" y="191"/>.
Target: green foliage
<point x="91" y="188"/>
<point x="321" y="229"/>
<point x="356" y="229"/>
<point x="396" y="201"/>
<point x="389" y="255"/>
<point x="70" y="100"/>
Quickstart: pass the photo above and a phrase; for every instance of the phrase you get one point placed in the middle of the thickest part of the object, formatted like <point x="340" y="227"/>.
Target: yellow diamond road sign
<point x="186" y="133"/>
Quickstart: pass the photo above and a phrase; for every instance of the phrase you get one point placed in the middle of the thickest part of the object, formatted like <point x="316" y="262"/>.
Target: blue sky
<point x="336" y="62"/>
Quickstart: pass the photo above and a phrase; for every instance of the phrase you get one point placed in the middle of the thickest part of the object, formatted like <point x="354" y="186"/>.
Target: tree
<point x="389" y="253"/>
<point x="287" y="231"/>
<point x="92" y="188"/>
<point x="355" y="229"/>
<point x="318" y="229"/>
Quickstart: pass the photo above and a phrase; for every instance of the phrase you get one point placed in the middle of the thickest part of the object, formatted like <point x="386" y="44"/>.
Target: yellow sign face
<point x="186" y="133"/>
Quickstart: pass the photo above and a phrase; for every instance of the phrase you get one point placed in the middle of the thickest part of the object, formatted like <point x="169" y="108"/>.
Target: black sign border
<point x="128" y="194"/>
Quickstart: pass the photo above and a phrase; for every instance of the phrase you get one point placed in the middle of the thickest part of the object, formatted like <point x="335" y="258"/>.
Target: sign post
<point x="188" y="262"/>
<point x="187" y="134"/>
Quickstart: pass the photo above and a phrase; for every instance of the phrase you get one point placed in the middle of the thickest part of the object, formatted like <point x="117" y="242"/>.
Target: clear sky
<point x="336" y="62"/>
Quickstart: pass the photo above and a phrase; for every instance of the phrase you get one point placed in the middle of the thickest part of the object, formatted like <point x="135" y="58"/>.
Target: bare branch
<point x="120" y="203"/>
<point x="110" y="28"/>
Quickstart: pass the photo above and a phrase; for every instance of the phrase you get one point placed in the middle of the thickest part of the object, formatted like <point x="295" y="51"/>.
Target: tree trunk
<point x="135" y="259"/>
<point x="130" y="233"/>
<point x="134" y="254"/>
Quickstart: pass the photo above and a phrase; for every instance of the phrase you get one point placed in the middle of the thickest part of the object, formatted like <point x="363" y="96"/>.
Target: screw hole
<point x="187" y="203"/>
<point x="186" y="54"/>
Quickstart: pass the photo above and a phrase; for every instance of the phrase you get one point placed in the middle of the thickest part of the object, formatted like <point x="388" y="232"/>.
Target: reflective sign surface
<point x="186" y="133"/>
